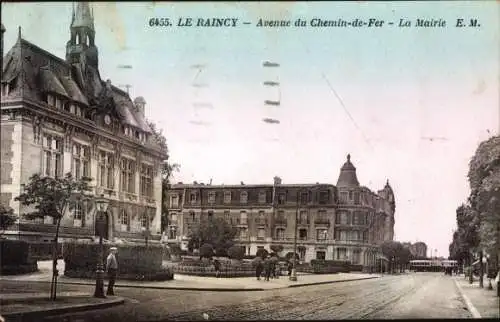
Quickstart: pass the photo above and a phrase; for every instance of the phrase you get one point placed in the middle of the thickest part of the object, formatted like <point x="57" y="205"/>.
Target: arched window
<point x="144" y="221"/>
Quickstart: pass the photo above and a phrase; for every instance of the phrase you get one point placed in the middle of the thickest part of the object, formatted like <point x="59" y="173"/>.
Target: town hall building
<point x="59" y="116"/>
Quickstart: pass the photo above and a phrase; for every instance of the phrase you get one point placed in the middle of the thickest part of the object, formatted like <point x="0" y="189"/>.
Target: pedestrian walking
<point x="289" y="266"/>
<point x="111" y="269"/>
<point x="258" y="267"/>
<point x="267" y="268"/>
<point x="217" y="267"/>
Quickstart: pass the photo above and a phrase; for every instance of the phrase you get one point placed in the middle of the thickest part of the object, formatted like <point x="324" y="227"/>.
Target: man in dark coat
<point x="267" y="267"/>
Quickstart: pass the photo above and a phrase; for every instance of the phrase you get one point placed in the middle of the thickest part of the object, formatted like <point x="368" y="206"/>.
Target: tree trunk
<point x="471" y="279"/>
<point x="481" y="269"/>
<point x="55" y="272"/>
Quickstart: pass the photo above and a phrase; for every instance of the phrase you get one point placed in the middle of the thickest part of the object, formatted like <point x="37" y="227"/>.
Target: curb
<point x="470" y="306"/>
<point x="216" y="289"/>
<point x="39" y="313"/>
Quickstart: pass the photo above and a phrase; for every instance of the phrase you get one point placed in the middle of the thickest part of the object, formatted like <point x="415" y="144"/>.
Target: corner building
<point x="59" y="116"/>
<point x="345" y="222"/>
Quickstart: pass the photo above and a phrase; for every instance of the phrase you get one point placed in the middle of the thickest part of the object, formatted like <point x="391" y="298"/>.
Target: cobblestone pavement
<point x="420" y="295"/>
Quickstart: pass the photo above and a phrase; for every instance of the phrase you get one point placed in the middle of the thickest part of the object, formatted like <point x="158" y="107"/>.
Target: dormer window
<point x="211" y="197"/>
<point x="5" y="89"/>
<point x="137" y="134"/>
<point x="50" y="100"/>
<point x="58" y="103"/>
<point x="67" y="106"/>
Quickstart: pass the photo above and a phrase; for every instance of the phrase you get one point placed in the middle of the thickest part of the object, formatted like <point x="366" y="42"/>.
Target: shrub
<point x="261" y="252"/>
<point x="277" y="248"/>
<point x="134" y="261"/>
<point x="175" y="249"/>
<point x="235" y="252"/>
<point x="15" y="258"/>
<point x="43" y="251"/>
<point x="289" y="256"/>
<point x="206" y="251"/>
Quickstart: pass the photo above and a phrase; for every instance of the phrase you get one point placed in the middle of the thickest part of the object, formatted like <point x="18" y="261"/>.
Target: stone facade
<point x="346" y="221"/>
<point x="58" y="116"/>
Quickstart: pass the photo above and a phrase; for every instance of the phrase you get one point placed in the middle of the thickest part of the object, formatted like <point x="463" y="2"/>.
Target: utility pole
<point x="293" y="276"/>
<point x="273" y="83"/>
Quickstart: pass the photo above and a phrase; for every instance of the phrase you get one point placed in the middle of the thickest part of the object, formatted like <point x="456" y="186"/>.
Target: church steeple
<point x="81" y="47"/>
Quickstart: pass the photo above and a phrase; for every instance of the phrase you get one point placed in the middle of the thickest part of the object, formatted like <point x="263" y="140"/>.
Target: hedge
<point x="15" y="258"/>
<point x="199" y="268"/>
<point x="135" y="262"/>
<point x="43" y="251"/>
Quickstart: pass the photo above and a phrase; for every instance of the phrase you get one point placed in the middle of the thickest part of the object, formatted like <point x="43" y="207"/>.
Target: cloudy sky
<point x="409" y="104"/>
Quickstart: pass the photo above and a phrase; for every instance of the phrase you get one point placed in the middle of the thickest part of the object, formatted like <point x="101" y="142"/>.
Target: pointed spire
<point x="19" y="33"/>
<point x="347" y="177"/>
<point x="83" y="16"/>
<point x="349" y="158"/>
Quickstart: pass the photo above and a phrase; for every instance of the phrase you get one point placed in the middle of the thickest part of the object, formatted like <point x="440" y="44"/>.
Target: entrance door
<point x="320" y="255"/>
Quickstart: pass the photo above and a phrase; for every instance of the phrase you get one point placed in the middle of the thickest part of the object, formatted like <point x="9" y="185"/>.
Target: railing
<point x="261" y="222"/>
<point x="280" y="221"/>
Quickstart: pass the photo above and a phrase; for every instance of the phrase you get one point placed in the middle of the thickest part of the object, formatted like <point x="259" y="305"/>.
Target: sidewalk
<point x="187" y="282"/>
<point x="481" y="302"/>
<point x="33" y="306"/>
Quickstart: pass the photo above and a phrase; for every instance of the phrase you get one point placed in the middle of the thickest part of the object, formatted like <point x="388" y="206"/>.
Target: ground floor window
<point x="320" y="255"/>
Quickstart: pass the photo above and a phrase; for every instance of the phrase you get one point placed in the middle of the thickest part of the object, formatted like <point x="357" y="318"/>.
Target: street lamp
<point x="145" y="229"/>
<point x="101" y="207"/>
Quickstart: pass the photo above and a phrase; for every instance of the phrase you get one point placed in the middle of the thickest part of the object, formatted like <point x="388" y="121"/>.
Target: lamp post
<point x="293" y="275"/>
<point x="101" y="207"/>
<point x="145" y="229"/>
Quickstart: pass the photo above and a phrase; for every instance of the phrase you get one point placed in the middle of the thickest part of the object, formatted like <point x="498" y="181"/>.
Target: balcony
<point x="261" y="222"/>
<point x="303" y="222"/>
<point x="280" y="221"/>
<point x="242" y="222"/>
<point x="322" y="221"/>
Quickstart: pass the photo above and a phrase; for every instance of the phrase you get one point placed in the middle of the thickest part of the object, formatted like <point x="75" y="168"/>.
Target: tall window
<point x="174" y="201"/>
<point x="324" y="197"/>
<point x="144" y="221"/>
<point x="227" y="196"/>
<point x="243" y="218"/>
<point x="106" y="170"/>
<point x="52" y="155"/>
<point x="78" y="214"/>
<point x="304" y="197"/>
<point x="81" y="161"/>
<point x="341" y="253"/>
<point x="280" y="233"/>
<point x="124" y="221"/>
<point x="303" y="234"/>
<point x="342" y="218"/>
<point x="262" y="197"/>
<point x="303" y="217"/>
<point x="344" y="196"/>
<point x="146" y="180"/>
<point x="356" y="197"/>
<point x="227" y="216"/>
<point x="281" y="198"/>
<point x="243" y="232"/>
<point x="261" y="220"/>
<point x="192" y="197"/>
<point x="210" y="215"/>
<point x="322" y="216"/>
<point x="261" y="233"/>
<point x="356" y="256"/>
<point x="340" y="234"/>
<point x="211" y="197"/>
<point x="172" y="232"/>
<point x="243" y="197"/>
<point x="321" y="234"/>
<point x="128" y="175"/>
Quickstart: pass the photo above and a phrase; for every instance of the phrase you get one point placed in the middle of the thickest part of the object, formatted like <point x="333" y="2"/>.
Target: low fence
<point x="228" y="269"/>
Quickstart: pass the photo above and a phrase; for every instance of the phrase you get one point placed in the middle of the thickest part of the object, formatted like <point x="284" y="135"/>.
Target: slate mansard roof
<point x="36" y="72"/>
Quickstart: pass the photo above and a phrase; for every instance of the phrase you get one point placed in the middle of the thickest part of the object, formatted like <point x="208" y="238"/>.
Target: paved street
<point x="420" y="295"/>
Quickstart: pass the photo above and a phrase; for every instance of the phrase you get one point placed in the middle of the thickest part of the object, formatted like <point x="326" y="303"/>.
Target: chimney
<point x="277" y="180"/>
<point x="140" y="105"/>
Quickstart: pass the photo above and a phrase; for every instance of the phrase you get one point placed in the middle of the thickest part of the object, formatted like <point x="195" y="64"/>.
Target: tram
<point x="433" y="265"/>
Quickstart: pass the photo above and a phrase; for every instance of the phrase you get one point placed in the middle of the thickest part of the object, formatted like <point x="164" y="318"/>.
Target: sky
<point x="379" y="94"/>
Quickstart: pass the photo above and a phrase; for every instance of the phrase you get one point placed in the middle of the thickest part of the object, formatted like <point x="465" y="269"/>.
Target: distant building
<point x="419" y="250"/>
<point x="59" y="116"/>
<point x="345" y="221"/>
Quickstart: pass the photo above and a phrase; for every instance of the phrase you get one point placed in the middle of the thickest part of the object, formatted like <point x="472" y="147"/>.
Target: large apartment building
<point x="59" y="116"/>
<point x="342" y="221"/>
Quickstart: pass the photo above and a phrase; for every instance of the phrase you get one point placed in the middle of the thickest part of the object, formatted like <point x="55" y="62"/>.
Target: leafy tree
<point x="7" y="217"/>
<point x="277" y="248"/>
<point x="262" y="253"/>
<point x="289" y="256"/>
<point x="235" y="252"/>
<point x="391" y="249"/>
<point x="216" y="232"/>
<point x="484" y="181"/>
<point x="54" y="197"/>
<point x="167" y="171"/>
<point x="206" y="251"/>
